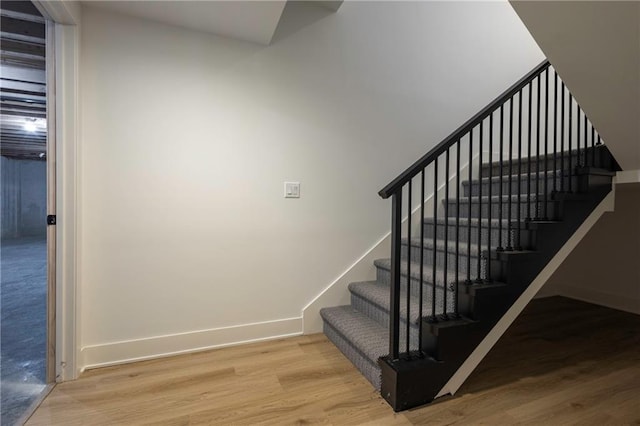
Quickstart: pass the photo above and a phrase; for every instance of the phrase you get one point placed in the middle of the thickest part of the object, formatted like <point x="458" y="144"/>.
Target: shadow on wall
<point x="603" y="268"/>
<point x="298" y="15"/>
<point x="24" y="198"/>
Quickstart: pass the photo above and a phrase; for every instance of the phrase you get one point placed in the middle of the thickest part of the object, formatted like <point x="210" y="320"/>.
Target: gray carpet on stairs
<point x="359" y="338"/>
<point x="361" y="330"/>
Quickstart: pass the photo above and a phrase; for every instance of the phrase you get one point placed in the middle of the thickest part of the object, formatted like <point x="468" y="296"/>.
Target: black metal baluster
<point x="479" y="269"/>
<point x="529" y="215"/>
<point x="545" y="215"/>
<point x="510" y="187"/>
<point x="396" y="189"/>
<point x="585" y="124"/>
<point x="408" y="295"/>
<point x="470" y="198"/>
<point x="458" y="189"/>
<point x="420" y="288"/>
<point x="593" y="146"/>
<point x="562" y="139"/>
<point x="394" y="309"/>
<point x="500" y="247"/>
<point x="578" y="142"/>
<point x="537" y="196"/>
<point x="446" y="229"/>
<point x="435" y="239"/>
<point x="570" y="141"/>
<point x="555" y="131"/>
<point x="518" y="209"/>
<point x="489" y="216"/>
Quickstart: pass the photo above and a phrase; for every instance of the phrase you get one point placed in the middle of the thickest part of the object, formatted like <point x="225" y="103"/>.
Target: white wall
<point x="595" y="47"/>
<point x="187" y="138"/>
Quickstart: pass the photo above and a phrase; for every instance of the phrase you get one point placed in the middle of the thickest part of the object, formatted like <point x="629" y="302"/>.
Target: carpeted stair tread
<point x="514" y="176"/>
<point x="440" y="245"/>
<point x="451" y="249"/>
<point x="497" y="198"/>
<point x="495" y="223"/>
<point x="543" y="158"/>
<point x="596" y="171"/>
<point x="366" y="335"/>
<point x="378" y="294"/>
<point x="415" y="271"/>
<point x="465" y="222"/>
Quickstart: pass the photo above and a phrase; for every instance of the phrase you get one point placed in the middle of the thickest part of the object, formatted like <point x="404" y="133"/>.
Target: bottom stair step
<point x="359" y="338"/>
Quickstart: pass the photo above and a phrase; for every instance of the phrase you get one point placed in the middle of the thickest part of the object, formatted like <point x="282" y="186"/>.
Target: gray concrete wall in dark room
<point x="24" y="197"/>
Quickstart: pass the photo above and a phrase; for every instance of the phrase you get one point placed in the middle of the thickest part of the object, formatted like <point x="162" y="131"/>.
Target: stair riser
<point x="451" y="235"/>
<point x="548" y="165"/>
<point x="464" y="263"/>
<point x="383" y="276"/>
<point x="368" y="368"/>
<point x="381" y="316"/>
<point x="524" y="166"/>
<point x="451" y="260"/>
<point x="602" y="160"/>
<point x="474" y="188"/>
<point x="408" y="381"/>
<point x="526" y="211"/>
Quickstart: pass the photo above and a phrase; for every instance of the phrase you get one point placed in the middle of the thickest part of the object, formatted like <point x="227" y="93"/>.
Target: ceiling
<point x="22" y="44"/>
<point x="253" y="21"/>
<point x="248" y="20"/>
<point x="22" y="81"/>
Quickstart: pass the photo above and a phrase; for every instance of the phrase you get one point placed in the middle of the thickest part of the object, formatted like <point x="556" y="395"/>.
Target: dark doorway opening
<point x="23" y="205"/>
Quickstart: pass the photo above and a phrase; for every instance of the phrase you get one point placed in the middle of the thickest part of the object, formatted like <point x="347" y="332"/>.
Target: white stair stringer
<point x="454" y="383"/>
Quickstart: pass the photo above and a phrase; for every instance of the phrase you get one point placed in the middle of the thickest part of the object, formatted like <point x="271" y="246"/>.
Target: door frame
<point x="50" y="361"/>
<point x="63" y="54"/>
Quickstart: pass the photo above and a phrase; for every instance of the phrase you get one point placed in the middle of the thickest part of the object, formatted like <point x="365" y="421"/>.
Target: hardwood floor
<point x="563" y="362"/>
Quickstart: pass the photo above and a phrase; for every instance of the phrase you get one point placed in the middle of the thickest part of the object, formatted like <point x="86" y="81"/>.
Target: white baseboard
<point x="547" y="292"/>
<point x="627" y="176"/>
<point x="626" y="302"/>
<point x="174" y="344"/>
<point x="336" y="293"/>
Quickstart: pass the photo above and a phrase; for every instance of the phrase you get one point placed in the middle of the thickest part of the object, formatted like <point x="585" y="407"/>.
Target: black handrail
<point x="417" y="167"/>
<point x="432" y="285"/>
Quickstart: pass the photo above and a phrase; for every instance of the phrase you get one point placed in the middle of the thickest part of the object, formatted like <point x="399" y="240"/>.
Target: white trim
<point x="181" y="343"/>
<point x="51" y="361"/>
<point x="363" y="269"/>
<point x="483" y="348"/>
<point x="336" y="293"/>
<point x="547" y="292"/>
<point x="627" y="176"/>
<point x="66" y="12"/>
<point x="626" y="302"/>
<point x="67" y="131"/>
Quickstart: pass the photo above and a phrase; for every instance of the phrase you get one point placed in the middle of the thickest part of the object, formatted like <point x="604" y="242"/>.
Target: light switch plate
<point x="292" y="190"/>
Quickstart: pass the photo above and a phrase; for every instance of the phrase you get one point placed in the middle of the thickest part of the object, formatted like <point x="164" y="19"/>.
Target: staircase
<point x="473" y="224"/>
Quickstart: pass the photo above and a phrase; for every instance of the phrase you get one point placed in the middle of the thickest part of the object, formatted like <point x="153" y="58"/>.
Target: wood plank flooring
<point x="562" y="362"/>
